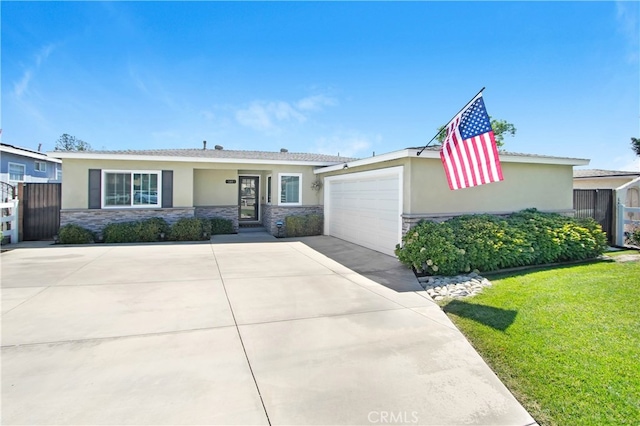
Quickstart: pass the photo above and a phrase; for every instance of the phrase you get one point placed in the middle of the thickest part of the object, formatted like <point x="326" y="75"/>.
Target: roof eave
<point x="628" y="175"/>
<point x="28" y="153"/>
<point x="412" y="152"/>
<point x="168" y="158"/>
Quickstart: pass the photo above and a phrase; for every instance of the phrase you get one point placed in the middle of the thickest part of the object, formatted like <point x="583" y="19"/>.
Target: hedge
<point x="221" y="226"/>
<point x="74" y="234"/>
<point x="303" y="225"/>
<point x="488" y="243"/>
<point x="149" y="230"/>
<point x="190" y="229"/>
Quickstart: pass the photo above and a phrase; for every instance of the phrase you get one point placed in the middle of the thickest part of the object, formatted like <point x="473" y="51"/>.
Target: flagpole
<point x="441" y="130"/>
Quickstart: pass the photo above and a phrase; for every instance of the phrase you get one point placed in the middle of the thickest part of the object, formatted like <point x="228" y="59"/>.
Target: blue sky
<point x="352" y="78"/>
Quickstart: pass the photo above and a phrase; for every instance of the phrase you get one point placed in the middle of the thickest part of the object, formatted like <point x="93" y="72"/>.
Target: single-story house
<point x="370" y="201"/>
<point x="24" y="165"/>
<point x="601" y="179"/>
<point x="626" y="190"/>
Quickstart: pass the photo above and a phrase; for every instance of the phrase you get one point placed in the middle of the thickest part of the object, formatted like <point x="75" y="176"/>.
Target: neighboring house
<point x="625" y="184"/>
<point x="626" y="188"/>
<point x="24" y="165"/>
<point x="370" y="201"/>
<point x="601" y="179"/>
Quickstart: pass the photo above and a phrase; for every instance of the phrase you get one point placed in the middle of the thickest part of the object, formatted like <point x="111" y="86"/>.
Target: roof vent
<point x="284" y="150"/>
<point x="218" y="147"/>
<point x="204" y="144"/>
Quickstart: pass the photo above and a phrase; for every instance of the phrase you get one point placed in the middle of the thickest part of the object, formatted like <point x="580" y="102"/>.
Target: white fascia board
<point x="634" y="182"/>
<point x="506" y="158"/>
<point x="173" y="159"/>
<point x="607" y="177"/>
<point x="533" y="159"/>
<point x="395" y="155"/>
<point x="36" y="155"/>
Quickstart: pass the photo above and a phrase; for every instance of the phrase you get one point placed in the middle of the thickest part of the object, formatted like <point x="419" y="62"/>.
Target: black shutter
<point x="167" y="188"/>
<point x="95" y="177"/>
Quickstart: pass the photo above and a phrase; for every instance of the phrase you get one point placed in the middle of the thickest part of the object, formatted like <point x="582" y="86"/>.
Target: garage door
<point x="364" y="208"/>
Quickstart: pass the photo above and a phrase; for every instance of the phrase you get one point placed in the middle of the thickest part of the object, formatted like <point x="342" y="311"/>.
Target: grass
<point x="564" y="340"/>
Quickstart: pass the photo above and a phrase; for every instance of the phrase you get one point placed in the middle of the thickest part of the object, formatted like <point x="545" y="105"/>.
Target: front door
<point x="248" y="198"/>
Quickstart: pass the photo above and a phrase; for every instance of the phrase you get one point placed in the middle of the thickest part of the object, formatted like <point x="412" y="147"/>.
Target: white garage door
<point x="364" y="208"/>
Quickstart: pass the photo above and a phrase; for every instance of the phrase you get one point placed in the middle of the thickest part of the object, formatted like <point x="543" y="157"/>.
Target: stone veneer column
<point x="224" y="212"/>
<point x="272" y="214"/>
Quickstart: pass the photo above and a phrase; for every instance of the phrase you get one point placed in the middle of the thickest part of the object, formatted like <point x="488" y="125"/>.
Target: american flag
<point x="469" y="153"/>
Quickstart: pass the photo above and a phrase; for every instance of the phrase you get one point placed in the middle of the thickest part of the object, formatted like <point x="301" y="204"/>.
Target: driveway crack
<point x="244" y="349"/>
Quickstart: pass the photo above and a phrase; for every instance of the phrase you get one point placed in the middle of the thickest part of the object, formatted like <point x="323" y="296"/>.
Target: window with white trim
<point x="130" y="188"/>
<point x="290" y="189"/>
<point x="269" y="189"/>
<point x="17" y="172"/>
<point x="40" y="166"/>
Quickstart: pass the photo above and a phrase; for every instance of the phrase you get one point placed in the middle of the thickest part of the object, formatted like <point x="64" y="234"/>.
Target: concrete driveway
<point x="269" y="332"/>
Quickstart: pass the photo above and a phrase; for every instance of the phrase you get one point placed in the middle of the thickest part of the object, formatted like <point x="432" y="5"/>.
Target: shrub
<point x="74" y="234"/>
<point x="150" y="229"/>
<point x="303" y="225"/>
<point x="489" y="242"/>
<point x="634" y="236"/>
<point x="543" y="231"/>
<point x="221" y="226"/>
<point x="429" y="247"/>
<point x="123" y="232"/>
<point x="190" y="229"/>
<point x="486" y="242"/>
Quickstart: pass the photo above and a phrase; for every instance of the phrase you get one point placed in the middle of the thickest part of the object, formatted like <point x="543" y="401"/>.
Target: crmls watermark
<point x="395" y="417"/>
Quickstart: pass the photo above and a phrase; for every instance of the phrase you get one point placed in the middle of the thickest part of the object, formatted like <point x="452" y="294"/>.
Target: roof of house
<point x="5" y="147"/>
<point x="596" y="173"/>
<point x="433" y="152"/>
<point x="329" y="162"/>
<point x="214" y="155"/>
<point x="505" y="153"/>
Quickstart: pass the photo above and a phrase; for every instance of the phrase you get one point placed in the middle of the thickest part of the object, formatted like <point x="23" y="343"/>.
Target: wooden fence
<point x="40" y="210"/>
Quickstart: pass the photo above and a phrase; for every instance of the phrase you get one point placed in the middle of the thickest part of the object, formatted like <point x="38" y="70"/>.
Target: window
<point x="59" y="174"/>
<point x="16" y="172"/>
<point x="269" y="189"/>
<point x="131" y="189"/>
<point x="40" y="166"/>
<point x="290" y="188"/>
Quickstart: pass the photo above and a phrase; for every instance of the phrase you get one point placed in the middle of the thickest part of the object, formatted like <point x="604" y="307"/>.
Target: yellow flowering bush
<point x="487" y="242"/>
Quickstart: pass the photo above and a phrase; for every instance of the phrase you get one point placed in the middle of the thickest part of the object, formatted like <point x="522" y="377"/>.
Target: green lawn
<point x="565" y="340"/>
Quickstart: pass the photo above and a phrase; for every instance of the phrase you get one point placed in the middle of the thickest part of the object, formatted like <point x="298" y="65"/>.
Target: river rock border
<point x="456" y="287"/>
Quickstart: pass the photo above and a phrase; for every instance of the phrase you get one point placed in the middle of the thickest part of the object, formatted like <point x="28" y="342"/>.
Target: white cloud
<point x="627" y="19"/>
<point x="20" y="87"/>
<point x="44" y="53"/>
<point x="347" y="145"/>
<point x="137" y="80"/>
<point x="264" y="116"/>
<point x="316" y="102"/>
<point x="269" y="116"/>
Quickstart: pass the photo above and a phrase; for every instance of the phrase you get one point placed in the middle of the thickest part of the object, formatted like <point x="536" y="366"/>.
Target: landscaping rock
<point x="456" y="287"/>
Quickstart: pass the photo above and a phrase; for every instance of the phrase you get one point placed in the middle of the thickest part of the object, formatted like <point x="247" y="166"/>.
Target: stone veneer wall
<point x="96" y="219"/>
<point x="271" y="214"/>
<point x="225" y="212"/>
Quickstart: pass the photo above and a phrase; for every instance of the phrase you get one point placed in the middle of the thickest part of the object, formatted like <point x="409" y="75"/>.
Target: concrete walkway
<point x="263" y="332"/>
